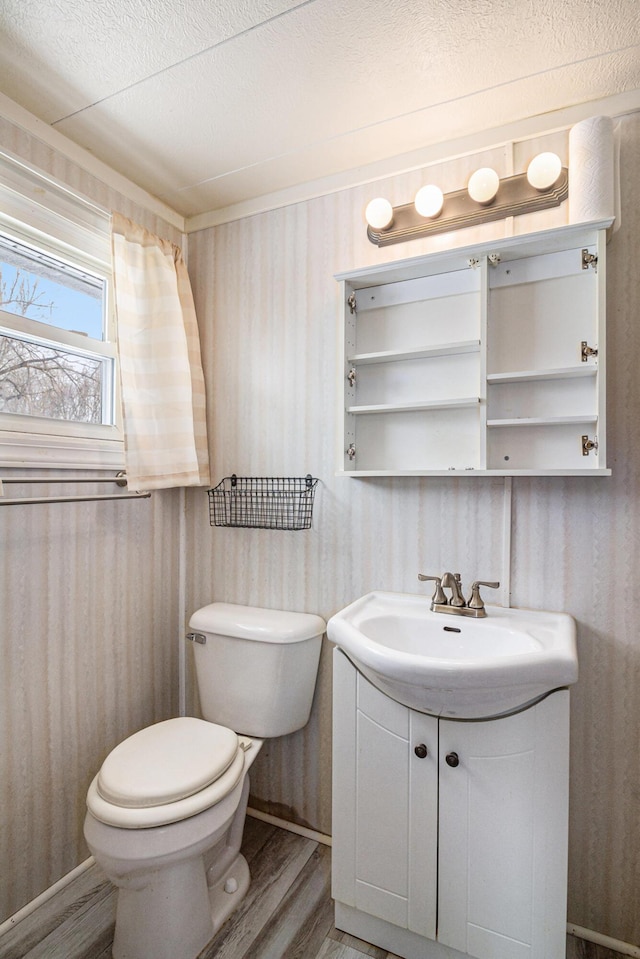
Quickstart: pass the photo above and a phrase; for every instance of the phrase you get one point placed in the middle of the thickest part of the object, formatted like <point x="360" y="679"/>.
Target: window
<point x="58" y="363"/>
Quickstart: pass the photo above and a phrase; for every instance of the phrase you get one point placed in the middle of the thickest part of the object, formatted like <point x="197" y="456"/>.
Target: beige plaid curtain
<point x="163" y="394"/>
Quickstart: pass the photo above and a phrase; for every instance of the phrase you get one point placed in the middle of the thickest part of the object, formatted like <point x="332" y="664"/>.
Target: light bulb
<point x="544" y="170"/>
<point x="379" y="214"/>
<point x="483" y="185"/>
<point x="429" y="200"/>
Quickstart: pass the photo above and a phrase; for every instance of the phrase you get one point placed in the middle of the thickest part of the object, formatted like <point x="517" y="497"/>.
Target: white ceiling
<point x="209" y="103"/>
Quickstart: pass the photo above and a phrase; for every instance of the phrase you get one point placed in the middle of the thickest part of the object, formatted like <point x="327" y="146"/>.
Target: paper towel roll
<point x="591" y="170"/>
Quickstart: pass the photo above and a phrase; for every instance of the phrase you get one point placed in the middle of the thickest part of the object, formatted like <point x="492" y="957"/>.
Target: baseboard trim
<point x="289" y="826"/>
<point x="624" y="948"/>
<point x="45" y="896"/>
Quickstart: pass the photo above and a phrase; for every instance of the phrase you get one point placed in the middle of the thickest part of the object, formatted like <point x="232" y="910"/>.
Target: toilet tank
<point x="256" y="670"/>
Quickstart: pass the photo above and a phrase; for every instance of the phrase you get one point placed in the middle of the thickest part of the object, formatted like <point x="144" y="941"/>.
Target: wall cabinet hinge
<point x="351" y="302"/>
<point x="589" y="259"/>
<point x="494" y="259"/>
<point x="351" y="376"/>
<point x="586" y="351"/>
<point x="351" y="452"/>
<point x="588" y="445"/>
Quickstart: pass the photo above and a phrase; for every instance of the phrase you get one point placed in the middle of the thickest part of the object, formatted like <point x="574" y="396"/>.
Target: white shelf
<point x="454" y="404"/>
<point x="391" y="356"/>
<point x="514" y="313"/>
<point x="471" y="471"/>
<point x="543" y="421"/>
<point x="526" y="376"/>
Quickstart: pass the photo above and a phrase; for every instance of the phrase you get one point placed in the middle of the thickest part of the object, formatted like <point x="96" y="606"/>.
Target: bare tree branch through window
<point x="40" y="380"/>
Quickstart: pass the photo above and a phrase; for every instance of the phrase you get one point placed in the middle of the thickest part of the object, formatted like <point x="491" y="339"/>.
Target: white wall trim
<point x="45" y="896"/>
<point x="182" y="606"/>
<point x="624" y="948"/>
<point x="290" y="826"/>
<point x="507" y="537"/>
<point x="524" y="129"/>
<point x="91" y="164"/>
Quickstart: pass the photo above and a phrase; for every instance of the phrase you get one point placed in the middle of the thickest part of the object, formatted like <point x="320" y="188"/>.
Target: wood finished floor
<point x="287" y="913"/>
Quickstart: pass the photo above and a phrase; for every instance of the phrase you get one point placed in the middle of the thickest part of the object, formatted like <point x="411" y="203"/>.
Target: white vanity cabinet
<point x="449" y="837"/>
<point x="483" y="360"/>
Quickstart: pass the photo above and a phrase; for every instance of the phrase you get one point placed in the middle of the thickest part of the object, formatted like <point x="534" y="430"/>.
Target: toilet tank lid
<point x="254" y="623"/>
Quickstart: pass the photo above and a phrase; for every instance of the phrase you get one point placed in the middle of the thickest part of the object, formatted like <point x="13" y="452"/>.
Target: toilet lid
<point x="144" y="817"/>
<point x="166" y="762"/>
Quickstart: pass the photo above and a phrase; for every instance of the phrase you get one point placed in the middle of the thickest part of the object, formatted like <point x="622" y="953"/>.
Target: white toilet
<point x="166" y="811"/>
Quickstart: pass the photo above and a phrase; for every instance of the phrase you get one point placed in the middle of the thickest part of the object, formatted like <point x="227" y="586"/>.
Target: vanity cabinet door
<point x="503" y="833"/>
<point x="454" y="830"/>
<point x="384" y="804"/>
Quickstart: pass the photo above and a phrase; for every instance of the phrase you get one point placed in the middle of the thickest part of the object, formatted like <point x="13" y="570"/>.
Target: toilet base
<point x="229" y="891"/>
<point x="146" y="928"/>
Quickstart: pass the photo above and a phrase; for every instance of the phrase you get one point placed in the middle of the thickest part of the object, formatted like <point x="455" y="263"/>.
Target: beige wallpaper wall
<point x="88" y="625"/>
<point x="89" y="593"/>
<point x="267" y="305"/>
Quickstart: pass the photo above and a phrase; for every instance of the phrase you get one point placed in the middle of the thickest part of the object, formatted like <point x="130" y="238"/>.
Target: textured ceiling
<point x="206" y="104"/>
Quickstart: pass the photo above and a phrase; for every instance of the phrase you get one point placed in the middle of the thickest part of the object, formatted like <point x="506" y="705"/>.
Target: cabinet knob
<point x="452" y="760"/>
<point x="421" y="751"/>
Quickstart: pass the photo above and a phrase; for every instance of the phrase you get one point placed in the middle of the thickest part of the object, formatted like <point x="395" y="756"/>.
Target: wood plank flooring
<point x="287" y="913"/>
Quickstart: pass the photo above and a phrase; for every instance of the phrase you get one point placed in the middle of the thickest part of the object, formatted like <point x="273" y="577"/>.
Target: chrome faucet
<point x="456" y="605"/>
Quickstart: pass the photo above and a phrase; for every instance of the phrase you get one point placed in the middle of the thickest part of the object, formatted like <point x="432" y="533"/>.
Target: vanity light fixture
<point x="486" y="198"/>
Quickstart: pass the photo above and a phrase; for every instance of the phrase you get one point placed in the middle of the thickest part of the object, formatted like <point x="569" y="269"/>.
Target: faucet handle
<point x="475" y="600"/>
<point x="438" y="597"/>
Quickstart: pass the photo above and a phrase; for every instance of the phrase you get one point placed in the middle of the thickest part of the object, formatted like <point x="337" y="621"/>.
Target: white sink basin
<point x="453" y="665"/>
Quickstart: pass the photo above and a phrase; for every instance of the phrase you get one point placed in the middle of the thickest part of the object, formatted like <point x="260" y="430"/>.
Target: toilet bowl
<point x="177" y="866"/>
<point x="165" y="813"/>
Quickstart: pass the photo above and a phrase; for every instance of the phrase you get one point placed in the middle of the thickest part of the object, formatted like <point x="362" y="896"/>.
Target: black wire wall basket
<point x="263" y="502"/>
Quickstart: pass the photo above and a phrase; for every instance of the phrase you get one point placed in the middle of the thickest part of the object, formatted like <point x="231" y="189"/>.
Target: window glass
<point x="39" y="375"/>
<point x="41" y="287"/>
<point x="39" y="380"/>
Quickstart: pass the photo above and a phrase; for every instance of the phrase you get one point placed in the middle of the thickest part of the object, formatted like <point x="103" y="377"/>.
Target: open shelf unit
<point x="486" y="360"/>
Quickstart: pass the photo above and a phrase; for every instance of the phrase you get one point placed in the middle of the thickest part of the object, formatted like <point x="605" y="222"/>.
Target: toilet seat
<point x="166" y="773"/>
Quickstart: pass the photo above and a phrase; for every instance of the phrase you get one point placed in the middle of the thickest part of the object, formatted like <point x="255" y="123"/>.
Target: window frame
<point x="39" y="213"/>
